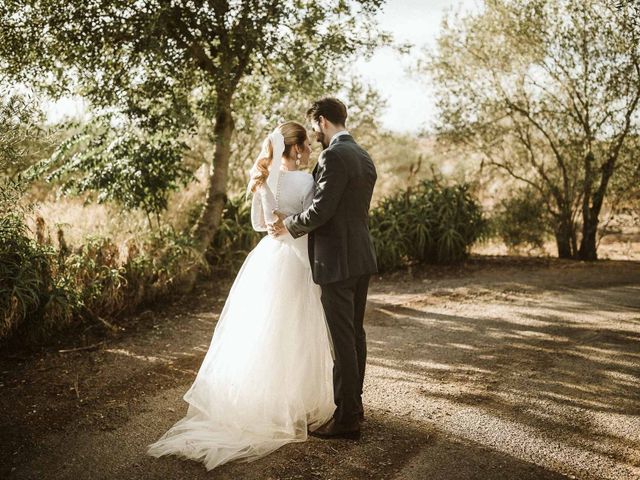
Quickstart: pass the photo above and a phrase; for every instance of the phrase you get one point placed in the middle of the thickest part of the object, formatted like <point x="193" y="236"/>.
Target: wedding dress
<point x="267" y="375"/>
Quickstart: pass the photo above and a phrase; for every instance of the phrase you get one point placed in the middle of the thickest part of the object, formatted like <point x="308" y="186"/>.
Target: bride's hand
<point x="277" y="228"/>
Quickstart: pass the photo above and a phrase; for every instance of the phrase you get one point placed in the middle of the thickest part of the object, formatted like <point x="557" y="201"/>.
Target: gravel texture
<point x="502" y="368"/>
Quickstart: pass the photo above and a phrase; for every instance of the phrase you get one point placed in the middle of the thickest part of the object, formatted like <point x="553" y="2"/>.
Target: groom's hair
<point x="330" y="108"/>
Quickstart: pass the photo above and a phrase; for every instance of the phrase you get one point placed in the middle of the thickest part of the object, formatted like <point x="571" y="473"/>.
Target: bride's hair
<point x="294" y="134"/>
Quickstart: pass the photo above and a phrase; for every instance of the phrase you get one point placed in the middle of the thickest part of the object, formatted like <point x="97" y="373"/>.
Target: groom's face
<point x="320" y="135"/>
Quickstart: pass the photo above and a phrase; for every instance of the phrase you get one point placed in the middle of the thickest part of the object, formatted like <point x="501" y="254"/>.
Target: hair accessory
<point x="277" y="145"/>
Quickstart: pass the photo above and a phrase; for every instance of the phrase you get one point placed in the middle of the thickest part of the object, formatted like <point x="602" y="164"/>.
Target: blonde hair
<point x="294" y="134"/>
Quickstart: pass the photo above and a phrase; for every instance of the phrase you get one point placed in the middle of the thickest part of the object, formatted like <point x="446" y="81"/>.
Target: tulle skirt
<point x="267" y="375"/>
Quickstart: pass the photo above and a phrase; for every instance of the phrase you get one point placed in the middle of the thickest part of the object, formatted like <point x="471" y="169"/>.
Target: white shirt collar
<point x="335" y="136"/>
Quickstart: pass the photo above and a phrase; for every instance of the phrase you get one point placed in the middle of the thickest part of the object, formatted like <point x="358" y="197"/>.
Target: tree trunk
<point x="563" y="234"/>
<point x="588" y="250"/>
<point x="590" y="213"/>
<point x="211" y="215"/>
<point x="588" y="247"/>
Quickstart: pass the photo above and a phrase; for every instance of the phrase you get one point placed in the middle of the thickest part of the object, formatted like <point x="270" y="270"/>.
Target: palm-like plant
<point x="427" y="224"/>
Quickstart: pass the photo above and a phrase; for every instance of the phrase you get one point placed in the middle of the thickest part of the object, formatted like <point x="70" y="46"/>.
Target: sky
<point x="410" y="100"/>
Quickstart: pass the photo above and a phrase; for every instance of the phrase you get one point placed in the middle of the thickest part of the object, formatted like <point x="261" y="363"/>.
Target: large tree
<point x="167" y="65"/>
<point x="549" y="92"/>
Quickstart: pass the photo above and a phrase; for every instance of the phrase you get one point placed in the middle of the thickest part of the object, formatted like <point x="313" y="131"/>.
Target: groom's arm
<point x="331" y="181"/>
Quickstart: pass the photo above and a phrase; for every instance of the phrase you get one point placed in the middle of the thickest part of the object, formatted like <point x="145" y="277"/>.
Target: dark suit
<point x="342" y="259"/>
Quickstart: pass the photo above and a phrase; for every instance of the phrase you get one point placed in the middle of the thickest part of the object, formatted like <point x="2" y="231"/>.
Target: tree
<point x="118" y="161"/>
<point x="21" y="132"/>
<point x="549" y="92"/>
<point x="168" y="65"/>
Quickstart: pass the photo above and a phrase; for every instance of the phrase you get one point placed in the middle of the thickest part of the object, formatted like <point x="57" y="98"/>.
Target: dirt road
<point x="503" y="368"/>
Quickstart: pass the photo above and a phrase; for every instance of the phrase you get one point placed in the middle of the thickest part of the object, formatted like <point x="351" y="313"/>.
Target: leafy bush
<point x="431" y="224"/>
<point x="428" y="224"/>
<point x="29" y="289"/>
<point x="521" y="220"/>
<point x="121" y="163"/>
<point x="235" y="237"/>
<point x="44" y="289"/>
<point x="155" y="266"/>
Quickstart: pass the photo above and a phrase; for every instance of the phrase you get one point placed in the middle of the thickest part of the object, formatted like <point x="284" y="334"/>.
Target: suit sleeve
<point x="331" y="182"/>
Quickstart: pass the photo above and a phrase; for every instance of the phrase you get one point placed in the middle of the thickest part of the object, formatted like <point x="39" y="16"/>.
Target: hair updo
<point x="294" y="134"/>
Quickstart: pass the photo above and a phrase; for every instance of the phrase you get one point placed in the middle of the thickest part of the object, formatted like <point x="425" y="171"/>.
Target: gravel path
<point x="503" y="368"/>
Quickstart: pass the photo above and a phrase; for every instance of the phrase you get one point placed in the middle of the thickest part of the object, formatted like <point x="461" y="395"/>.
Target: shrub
<point x="235" y="237"/>
<point x="29" y="288"/>
<point x="428" y="224"/>
<point x="521" y="220"/>
<point x="119" y="162"/>
<point x="44" y="290"/>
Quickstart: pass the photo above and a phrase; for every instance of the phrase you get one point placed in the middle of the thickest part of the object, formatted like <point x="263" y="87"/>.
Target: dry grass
<point x="78" y="219"/>
<point x="92" y="262"/>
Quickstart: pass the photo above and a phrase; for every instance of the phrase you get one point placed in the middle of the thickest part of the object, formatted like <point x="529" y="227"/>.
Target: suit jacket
<point x="337" y="221"/>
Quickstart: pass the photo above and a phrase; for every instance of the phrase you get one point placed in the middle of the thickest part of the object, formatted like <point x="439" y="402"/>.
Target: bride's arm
<point x="262" y="206"/>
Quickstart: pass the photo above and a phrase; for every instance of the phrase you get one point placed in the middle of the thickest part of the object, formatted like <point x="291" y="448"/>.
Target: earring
<point x="298" y="160"/>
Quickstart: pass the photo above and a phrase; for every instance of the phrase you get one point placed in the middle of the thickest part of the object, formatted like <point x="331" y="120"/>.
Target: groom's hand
<point x="277" y="228"/>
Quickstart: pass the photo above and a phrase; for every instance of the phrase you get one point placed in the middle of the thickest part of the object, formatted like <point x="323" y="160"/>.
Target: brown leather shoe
<point x="331" y="429"/>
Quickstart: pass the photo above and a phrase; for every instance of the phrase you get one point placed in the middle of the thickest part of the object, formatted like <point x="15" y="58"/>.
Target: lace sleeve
<point x="262" y="206"/>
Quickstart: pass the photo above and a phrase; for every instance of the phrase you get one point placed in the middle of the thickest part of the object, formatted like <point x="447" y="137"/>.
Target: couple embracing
<point x="287" y="357"/>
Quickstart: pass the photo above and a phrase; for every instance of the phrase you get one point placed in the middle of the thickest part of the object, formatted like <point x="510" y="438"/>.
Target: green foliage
<point x="170" y="65"/>
<point x="22" y="135"/>
<point x="235" y="237"/>
<point x="120" y="163"/>
<point x="44" y="289"/>
<point x="111" y="283"/>
<point x="96" y="276"/>
<point x="428" y="224"/>
<point x="29" y="289"/>
<point x="521" y="220"/>
<point x="548" y="92"/>
<point x="156" y="265"/>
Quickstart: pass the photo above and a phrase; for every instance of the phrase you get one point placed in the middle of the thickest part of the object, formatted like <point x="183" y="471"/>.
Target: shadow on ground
<point x="500" y="373"/>
<point x="556" y="364"/>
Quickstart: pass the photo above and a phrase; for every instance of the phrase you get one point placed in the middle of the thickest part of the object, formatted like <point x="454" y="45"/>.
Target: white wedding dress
<point x="267" y="376"/>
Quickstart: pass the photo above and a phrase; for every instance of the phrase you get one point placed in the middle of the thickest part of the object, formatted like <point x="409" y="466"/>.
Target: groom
<point x="341" y="253"/>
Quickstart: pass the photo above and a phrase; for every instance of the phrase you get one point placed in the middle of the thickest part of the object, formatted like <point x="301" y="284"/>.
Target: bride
<point x="266" y="379"/>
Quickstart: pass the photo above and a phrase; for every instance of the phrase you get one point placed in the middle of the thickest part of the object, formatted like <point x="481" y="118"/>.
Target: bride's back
<point x="294" y="192"/>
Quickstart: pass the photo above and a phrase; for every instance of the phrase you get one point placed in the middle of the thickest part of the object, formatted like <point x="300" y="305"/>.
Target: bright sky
<point x="410" y="102"/>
